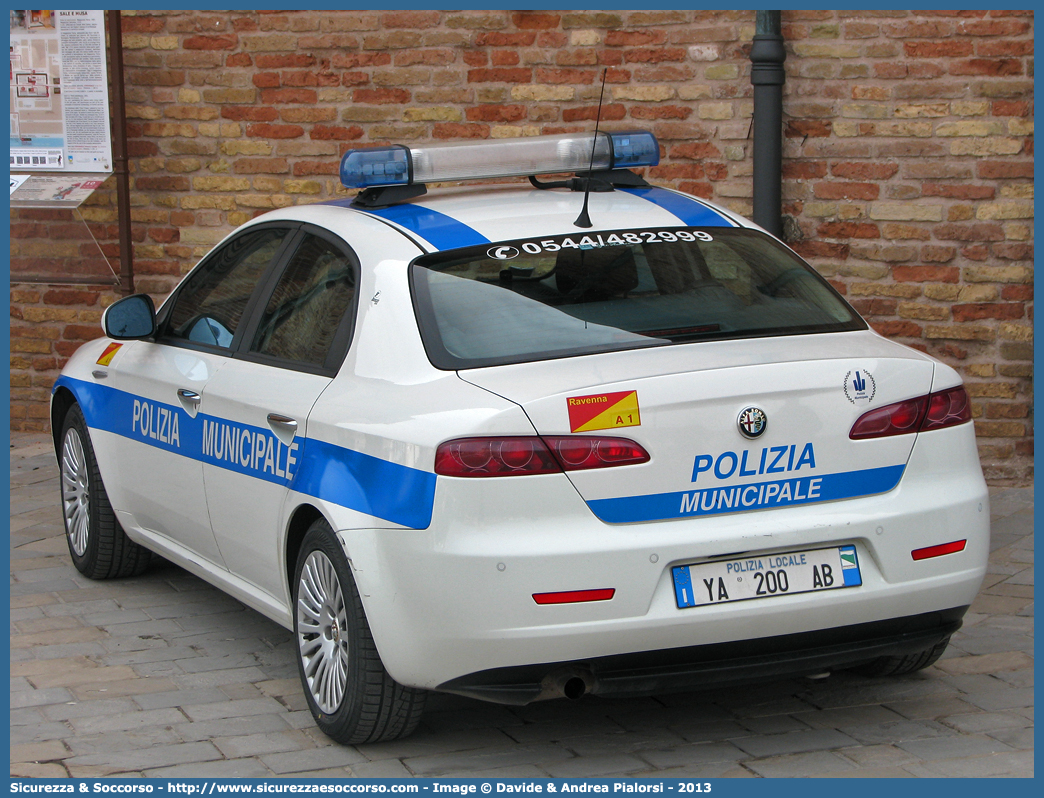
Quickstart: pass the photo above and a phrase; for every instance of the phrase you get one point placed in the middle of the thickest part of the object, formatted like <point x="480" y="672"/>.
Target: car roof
<point x="450" y="218"/>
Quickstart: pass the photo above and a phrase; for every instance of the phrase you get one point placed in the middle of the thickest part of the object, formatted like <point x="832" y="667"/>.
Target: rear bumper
<point x="456" y="599"/>
<point x="716" y="665"/>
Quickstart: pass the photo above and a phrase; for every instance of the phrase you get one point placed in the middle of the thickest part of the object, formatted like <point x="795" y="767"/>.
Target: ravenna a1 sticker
<point x="109" y="354"/>
<point x="603" y="411"/>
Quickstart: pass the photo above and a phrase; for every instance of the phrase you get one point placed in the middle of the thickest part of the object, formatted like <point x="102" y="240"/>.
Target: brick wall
<point x="908" y="153"/>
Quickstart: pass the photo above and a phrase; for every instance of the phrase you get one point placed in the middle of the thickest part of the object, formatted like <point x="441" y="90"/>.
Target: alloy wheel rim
<point x="322" y="632"/>
<point x="75" y="492"/>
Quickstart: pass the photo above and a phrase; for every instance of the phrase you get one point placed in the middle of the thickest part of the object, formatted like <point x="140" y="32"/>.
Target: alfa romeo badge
<point x="752" y="422"/>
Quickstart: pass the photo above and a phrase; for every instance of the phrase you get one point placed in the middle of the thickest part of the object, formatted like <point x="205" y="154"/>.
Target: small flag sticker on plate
<point x="850" y="566"/>
<point x="603" y="411"/>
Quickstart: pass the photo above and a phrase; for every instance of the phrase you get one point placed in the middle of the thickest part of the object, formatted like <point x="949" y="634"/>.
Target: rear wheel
<point x="350" y="694"/>
<point x="907" y="663"/>
<point x="99" y="547"/>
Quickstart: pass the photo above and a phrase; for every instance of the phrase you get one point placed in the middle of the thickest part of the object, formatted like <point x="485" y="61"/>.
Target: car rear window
<point x="525" y="300"/>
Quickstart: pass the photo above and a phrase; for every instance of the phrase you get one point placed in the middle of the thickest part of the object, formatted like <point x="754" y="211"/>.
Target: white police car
<point x="517" y="442"/>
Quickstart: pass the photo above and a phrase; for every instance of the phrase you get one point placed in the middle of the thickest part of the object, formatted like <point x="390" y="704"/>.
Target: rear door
<point x="256" y="408"/>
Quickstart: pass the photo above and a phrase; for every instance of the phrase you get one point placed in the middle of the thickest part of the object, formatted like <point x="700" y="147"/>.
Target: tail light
<point x="947" y="409"/>
<point x="494" y="457"/>
<point x="935" y="411"/>
<point x="897" y="419"/>
<point x="524" y="455"/>
<point x="579" y="453"/>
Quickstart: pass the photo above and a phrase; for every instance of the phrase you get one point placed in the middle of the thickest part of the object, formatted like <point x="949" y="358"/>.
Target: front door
<point x="159" y="482"/>
<point x="159" y="488"/>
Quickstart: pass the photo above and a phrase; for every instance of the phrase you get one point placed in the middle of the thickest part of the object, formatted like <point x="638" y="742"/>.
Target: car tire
<point x="908" y="663"/>
<point x="99" y="547"/>
<point x="350" y="694"/>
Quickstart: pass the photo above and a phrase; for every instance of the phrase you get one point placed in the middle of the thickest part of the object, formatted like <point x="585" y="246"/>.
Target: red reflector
<point x="938" y="551"/>
<point x="575" y="596"/>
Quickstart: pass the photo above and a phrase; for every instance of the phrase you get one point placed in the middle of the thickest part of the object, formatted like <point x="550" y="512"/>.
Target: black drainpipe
<point x="119" y="152"/>
<point x="767" y="55"/>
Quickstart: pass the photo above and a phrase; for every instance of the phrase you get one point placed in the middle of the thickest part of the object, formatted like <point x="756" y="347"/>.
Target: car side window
<point x="308" y="305"/>
<point x="209" y="307"/>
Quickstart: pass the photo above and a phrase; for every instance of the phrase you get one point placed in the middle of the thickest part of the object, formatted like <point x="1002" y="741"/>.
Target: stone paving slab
<point x="164" y="676"/>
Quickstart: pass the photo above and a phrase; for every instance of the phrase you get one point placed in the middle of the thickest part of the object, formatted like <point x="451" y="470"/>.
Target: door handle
<point x="284" y="427"/>
<point x="190" y="399"/>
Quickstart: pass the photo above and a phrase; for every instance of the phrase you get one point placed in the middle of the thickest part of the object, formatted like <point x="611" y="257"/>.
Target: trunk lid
<point x="683" y="404"/>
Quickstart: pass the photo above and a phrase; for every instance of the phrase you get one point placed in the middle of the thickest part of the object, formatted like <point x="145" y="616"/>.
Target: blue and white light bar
<point x="474" y="160"/>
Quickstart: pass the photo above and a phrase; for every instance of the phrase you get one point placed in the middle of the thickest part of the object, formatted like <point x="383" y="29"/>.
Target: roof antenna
<point x="584" y="219"/>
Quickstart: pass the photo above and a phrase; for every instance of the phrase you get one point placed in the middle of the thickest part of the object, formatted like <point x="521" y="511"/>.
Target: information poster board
<point x="59" y="92"/>
<point x="53" y="191"/>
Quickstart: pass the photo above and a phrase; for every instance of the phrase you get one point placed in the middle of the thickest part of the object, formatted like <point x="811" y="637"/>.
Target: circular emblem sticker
<point x="752" y="422"/>
<point x="860" y="387"/>
<point x="502" y="253"/>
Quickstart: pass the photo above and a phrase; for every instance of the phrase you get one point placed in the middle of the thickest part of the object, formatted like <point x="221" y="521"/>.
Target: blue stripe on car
<point x="691" y="211"/>
<point x="367" y="484"/>
<point x="441" y="231"/>
<point x="748" y="497"/>
<point x="351" y="479"/>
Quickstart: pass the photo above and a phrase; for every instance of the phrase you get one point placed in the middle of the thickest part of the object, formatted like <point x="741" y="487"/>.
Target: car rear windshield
<point x="526" y="300"/>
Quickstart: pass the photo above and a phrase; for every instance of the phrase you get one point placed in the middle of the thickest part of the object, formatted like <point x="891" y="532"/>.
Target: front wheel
<point x="350" y="694"/>
<point x="99" y="547"/>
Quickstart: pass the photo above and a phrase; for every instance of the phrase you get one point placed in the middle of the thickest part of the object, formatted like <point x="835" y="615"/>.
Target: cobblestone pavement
<point x="163" y="675"/>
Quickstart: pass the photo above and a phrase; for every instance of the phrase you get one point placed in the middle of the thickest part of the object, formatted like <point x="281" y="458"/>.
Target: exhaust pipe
<point x="570" y="682"/>
<point x="574" y="688"/>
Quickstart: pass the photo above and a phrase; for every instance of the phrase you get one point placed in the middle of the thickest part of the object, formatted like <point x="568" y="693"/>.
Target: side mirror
<point x="131" y="318"/>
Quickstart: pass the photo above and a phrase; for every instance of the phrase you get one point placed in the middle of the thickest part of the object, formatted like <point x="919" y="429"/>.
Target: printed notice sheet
<point x="59" y="92"/>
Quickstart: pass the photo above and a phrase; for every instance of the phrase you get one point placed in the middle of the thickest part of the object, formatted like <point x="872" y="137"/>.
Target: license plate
<point x="746" y="578"/>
